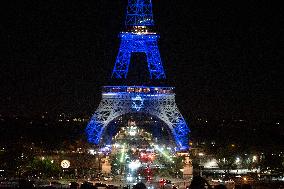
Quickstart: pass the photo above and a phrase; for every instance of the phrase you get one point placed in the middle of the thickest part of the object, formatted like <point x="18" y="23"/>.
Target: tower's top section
<point x="139" y="13"/>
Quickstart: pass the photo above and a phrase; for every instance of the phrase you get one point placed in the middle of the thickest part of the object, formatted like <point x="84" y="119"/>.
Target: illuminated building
<point x="155" y="101"/>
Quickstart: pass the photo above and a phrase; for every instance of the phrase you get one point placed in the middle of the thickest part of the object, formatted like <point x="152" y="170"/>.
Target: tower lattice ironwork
<point x="139" y="13"/>
<point x="139" y="39"/>
<point x="155" y="101"/>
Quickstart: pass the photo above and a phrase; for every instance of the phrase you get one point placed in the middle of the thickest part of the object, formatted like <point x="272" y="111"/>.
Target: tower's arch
<point x="155" y="129"/>
<point x="157" y="101"/>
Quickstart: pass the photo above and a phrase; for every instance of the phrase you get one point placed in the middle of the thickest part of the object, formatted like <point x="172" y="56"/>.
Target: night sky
<point x="225" y="59"/>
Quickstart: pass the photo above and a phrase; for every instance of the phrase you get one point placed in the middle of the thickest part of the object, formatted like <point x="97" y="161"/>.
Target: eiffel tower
<point x="152" y="100"/>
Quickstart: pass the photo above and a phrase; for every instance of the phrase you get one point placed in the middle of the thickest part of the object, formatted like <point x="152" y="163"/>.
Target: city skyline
<point x="223" y="59"/>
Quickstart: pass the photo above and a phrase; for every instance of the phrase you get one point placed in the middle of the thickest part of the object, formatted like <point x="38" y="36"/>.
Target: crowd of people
<point x="198" y="182"/>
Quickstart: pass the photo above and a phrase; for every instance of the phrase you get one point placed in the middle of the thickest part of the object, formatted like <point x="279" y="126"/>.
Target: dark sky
<point x="225" y="59"/>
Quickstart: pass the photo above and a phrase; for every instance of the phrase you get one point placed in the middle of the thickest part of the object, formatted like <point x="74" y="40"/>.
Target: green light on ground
<point x="122" y="157"/>
<point x="163" y="152"/>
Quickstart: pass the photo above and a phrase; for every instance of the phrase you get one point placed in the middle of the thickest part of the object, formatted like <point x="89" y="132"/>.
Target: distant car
<point x="97" y="178"/>
<point x="149" y="178"/>
<point x="230" y="181"/>
<point x="217" y="180"/>
<point x="108" y="178"/>
<point x="162" y="181"/>
<point x="168" y="182"/>
<point x="248" y="179"/>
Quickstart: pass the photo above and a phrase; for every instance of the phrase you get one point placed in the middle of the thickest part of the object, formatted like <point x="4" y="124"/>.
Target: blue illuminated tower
<point x="155" y="101"/>
<point x="139" y="13"/>
<point x="139" y="39"/>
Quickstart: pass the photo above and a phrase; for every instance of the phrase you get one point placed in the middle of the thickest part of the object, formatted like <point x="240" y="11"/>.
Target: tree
<point x="115" y="163"/>
<point x="44" y="168"/>
<point x="15" y="159"/>
<point x="178" y="163"/>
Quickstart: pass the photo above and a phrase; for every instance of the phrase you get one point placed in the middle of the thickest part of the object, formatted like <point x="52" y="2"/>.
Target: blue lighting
<point x="149" y="90"/>
<point x="139" y="13"/>
<point x="143" y="43"/>
<point x="137" y="103"/>
<point x="182" y="135"/>
<point x="139" y="40"/>
<point x="120" y="100"/>
<point x="94" y="131"/>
